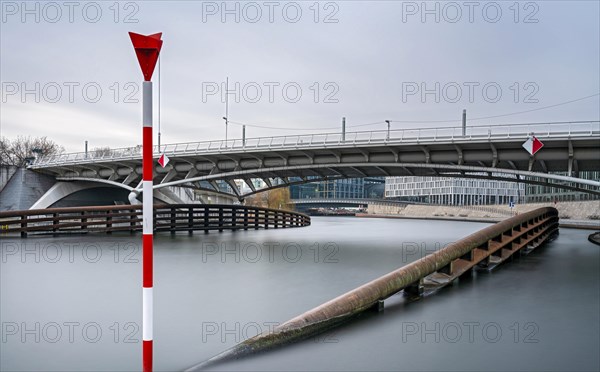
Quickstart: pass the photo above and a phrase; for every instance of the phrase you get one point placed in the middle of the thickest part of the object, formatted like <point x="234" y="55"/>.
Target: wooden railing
<point x="167" y="217"/>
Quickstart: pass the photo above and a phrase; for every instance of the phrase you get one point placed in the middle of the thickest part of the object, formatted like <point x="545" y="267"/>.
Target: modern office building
<point x="539" y="193"/>
<point x="351" y="188"/>
<point x="453" y="191"/>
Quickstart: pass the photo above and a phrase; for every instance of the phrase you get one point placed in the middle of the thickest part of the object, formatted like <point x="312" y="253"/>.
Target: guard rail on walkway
<point x="323" y="140"/>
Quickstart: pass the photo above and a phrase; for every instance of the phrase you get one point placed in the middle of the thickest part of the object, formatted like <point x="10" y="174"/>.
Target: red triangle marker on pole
<point x="147" y="49"/>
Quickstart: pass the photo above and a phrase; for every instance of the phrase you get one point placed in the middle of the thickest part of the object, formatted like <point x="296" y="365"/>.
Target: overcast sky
<point x="293" y="67"/>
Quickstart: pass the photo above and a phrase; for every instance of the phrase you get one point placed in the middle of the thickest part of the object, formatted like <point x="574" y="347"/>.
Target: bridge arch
<point x="61" y="190"/>
<point x="65" y="188"/>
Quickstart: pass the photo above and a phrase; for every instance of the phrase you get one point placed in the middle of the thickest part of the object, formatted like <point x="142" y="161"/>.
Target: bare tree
<point x="20" y="150"/>
<point x="277" y="198"/>
<point x="100" y="152"/>
<point x="4" y="151"/>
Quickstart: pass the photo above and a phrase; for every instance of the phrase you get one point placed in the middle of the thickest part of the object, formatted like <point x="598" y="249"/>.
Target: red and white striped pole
<point x="148" y="223"/>
<point x="147" y="49"/>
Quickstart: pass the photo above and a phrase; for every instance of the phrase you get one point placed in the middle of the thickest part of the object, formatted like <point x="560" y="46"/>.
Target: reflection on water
<point x="74" y="303"/>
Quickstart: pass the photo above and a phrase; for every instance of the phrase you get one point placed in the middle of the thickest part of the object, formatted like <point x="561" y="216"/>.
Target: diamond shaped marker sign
<point x="532" y="145"/>
<point x="147" y="49"/>
<point x="163" y="160"/>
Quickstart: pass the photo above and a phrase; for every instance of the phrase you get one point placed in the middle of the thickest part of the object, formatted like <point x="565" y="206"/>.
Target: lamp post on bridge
<point x="387" y="138"/>
<point x="464" y="123"/>
<point x="226" y="117"/>
<point x="147" y="49"/>
<point x="226" y="125"/>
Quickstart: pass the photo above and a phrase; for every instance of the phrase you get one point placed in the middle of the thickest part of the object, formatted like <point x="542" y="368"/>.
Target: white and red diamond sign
<point x="532" y="145"/>
<point x="163" y="160"/>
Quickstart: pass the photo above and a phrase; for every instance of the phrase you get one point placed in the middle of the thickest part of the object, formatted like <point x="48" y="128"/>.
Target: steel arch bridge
<point x="487" y="152"/>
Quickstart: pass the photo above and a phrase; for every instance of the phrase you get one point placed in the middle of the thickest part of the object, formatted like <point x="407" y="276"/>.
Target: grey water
<point x="73" y="303"/>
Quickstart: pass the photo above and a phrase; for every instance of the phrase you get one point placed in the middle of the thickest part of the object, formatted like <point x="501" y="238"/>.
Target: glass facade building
<point x="541" y="194"/>
<point x="351" y="188"/>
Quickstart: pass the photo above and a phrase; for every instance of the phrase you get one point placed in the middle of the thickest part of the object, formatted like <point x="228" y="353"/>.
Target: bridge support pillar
<point x="467" y="274"/>
<point x="448" y="269"/>
<point x="415" y="288"/>
<point x="378" y="306"/>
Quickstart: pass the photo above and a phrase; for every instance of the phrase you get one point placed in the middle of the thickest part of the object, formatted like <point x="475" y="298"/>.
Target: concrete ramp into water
<point x="486" y="248"/>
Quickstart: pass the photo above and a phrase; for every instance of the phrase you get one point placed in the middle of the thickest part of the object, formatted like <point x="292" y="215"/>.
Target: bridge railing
<point x="320" y="140"/>
<point x="172" y="217"/>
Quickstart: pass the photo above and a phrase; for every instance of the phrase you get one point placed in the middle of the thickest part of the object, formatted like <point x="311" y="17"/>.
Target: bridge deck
<point x="493" y="152"/>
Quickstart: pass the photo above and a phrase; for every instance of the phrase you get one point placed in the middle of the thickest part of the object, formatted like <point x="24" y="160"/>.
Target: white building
<point x="453" y="191"/>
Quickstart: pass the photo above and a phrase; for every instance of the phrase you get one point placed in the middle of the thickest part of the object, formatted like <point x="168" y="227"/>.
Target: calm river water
<point x="74" y="303"/>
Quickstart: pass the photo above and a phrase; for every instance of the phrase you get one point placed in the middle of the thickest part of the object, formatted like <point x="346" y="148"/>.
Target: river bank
<point x="574" y="224"/>
<point x="582" y="214"/>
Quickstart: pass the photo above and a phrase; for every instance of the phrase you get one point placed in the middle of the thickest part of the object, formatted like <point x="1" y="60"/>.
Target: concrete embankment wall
<point x="6" y="173"/>
<point x="579" y="210"/>
<point x="23" y="189"/>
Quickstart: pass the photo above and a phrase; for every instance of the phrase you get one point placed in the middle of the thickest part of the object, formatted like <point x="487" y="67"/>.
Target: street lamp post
<point x="226" y="124"/>
<point x="388" y="130"/>
<point x="159" y="84"/>
<point x="226" y="117"/>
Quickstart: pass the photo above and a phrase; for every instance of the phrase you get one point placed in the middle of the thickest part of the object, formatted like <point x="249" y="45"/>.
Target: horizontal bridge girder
<point x="552" y="161"/>
<point x="394" y="169"/>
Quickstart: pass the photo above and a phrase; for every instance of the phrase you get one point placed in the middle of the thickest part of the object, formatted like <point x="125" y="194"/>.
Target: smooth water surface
<point x="74" y="302"/>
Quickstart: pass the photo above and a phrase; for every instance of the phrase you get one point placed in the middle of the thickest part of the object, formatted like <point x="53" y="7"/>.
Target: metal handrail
<point x="398" y="136"/>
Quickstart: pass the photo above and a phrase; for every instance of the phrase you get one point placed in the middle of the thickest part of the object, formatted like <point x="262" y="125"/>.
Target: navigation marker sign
<point x="532" y="145"/>
<point x="163" y="160"/>
<point x="147" y="49"/>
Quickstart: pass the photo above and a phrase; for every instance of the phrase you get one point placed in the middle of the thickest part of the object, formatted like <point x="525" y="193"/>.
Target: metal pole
<point x="244" y="135"/>
<point x="159" y="84"/>
<point x="147" y="49"/>
<point x="86" y="149"/>
<point x="464" y="123"/>
<point x="147" y="238"/>
<point x="343" y="129"/>
<point x="226" y="108"/>
<point x="388" y="130"/>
